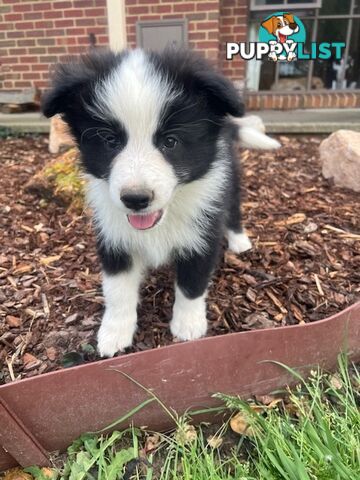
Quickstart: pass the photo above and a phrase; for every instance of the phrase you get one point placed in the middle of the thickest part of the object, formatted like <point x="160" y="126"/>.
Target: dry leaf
<point x="16" y="474"/>
<point x="152" y="442"/>
<point x="240" y="424"/>
<point x="215" y="441"/>
<point x="49" y="260"/>
<point x="12" y="321"/>
<point x="186" y="434"/>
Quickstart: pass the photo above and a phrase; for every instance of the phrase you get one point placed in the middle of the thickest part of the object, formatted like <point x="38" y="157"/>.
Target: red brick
<point x="64" y="23"/>
<point x="149" y="17"/>
<point x="85" y="22"/>
<point x="137" y="10"/>
<point x="13" y="17"/>
<point x="96" y="30"/>
<point x="22" y="84"/>
<point x="66" y="41"/>
<point x="41" y="6"/>
<point x="9" y="60"/>
<point x="17" y="51"/>
<point x="161" y="8"/>
<point x="44" y="24"/>
<point x="54" y="32"/>
<point x="15" y="34"/>
<point x="38" y="67"/>
<point x="20" y="68"/>
<point x="197" y="36"/>
<point x="95" y="12"/>
<point x="207" y="6"/>
<point x="37" y="50"/>
<point x="6" y="26"/>
<point x="207" y="44"/>
<point x="62" y="5"/>
<point x="33" y="16"/>
<point x="75" y="31"/>
<point x="35" y="33"/>
<point x="85" y="3"/>
<point x="46" y="41"/>
<point x="53" y="14"/>
<point x="74" y="13"/>
<point x="184" y="7"/>
<point x="207" y="25"/>
<point x="26" y="43"/>
<point x="24" y="7"/>
<point x="56" y="50"/>
<point x="31" y="76"/>
<point x="28" y="59"/>
<point x="25" y="25"/>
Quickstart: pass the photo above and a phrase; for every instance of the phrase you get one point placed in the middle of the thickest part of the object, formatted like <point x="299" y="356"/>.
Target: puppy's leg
<point x="189" y="312"/>
<point x="238" y="241"/>
<point x="121" y="279"/>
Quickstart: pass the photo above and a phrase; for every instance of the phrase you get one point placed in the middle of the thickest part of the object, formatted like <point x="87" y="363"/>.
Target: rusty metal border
<point x="46" y="413"/>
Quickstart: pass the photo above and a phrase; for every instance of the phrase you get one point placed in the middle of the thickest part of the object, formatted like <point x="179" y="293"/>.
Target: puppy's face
<point x="144" y="123"/>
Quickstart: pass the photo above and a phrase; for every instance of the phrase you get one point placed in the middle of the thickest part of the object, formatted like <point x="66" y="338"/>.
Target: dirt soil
<point x="304" y="265"/>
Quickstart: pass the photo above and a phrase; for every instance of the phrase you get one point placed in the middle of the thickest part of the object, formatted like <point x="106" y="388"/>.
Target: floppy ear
<point x="69" y="80"/>
<point x="269" y="25"/>
<point x="220" y="92"/>
<point x="289" y="17"/>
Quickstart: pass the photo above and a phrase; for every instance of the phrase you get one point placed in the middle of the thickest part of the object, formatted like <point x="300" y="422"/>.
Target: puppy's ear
<point x="69" y="80"/>
<point x="221" y="93"/>
<point x="289" y="17"/>
<point x="269" y="25"/>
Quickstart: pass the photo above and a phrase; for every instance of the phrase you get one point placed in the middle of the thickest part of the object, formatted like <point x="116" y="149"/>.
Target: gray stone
<point x="340" y="157"/>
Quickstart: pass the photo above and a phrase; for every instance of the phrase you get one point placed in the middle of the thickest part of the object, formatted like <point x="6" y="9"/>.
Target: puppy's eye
<point x="170" y="143"/>
<point x="110" y="139"/>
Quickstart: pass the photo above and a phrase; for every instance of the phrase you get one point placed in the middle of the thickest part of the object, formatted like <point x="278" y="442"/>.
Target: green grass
<point x="312" y="433"/>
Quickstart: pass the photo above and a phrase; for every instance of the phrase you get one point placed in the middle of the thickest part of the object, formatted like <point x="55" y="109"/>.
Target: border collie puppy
<point x="157" y="146"/>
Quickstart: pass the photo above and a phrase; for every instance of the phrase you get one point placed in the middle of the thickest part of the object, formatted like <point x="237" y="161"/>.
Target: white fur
<point x="119" y="321"/>
<point x="252" y="138"/>
<point x="238" y="242"/>
<point x="189" y="317"/>
<point x="181" y="226"/>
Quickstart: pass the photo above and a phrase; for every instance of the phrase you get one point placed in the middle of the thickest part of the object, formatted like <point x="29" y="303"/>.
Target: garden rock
<point x="340" y="157"/>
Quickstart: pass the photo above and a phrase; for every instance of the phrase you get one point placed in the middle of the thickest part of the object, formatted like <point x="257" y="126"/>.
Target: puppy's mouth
<point x="282" y="38"/>
<point x="144" y="221"/>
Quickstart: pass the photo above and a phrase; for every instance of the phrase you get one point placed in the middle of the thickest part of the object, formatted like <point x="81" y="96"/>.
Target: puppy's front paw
<point x="188" y="325"/>
<point x="115" y="335"/>
<point x="238" y="242"/>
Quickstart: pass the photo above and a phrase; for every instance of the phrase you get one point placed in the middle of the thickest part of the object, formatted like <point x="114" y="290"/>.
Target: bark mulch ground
<point x="304" y="265"/>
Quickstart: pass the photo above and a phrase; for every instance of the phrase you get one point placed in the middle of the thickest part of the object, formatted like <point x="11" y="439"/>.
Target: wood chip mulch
<point x="305" y="264"/>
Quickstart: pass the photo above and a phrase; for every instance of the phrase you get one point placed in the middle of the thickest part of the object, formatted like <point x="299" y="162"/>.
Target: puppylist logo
<point x="282" y="36"/>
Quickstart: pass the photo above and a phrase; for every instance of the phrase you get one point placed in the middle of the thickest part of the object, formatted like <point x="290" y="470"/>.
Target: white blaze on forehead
<point x="282" y="21"/>
<point x="135" y="94"/>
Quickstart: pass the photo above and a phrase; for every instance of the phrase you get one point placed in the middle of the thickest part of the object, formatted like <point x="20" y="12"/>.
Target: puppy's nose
<point x="136" y="199"/>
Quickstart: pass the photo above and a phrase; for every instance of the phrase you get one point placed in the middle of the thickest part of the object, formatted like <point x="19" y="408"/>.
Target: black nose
<point x="136" y="199"/>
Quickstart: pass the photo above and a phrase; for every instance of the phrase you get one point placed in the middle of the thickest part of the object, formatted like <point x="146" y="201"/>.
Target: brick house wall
<point x="233" y="28"/>
<point x="202" y="16"/>
<point x="36" y="34"/>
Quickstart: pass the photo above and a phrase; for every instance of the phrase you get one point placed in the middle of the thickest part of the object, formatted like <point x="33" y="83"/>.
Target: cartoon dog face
<point x="281" y="26"/>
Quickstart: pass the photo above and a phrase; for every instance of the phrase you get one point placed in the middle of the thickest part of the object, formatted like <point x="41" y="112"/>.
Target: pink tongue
<point x="142" y="222"/>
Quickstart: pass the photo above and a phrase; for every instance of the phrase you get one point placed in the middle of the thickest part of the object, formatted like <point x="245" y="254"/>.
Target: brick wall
<point x="37" y="34"/>
<point x="290" y="101"/>
<point x="202" y="16"/>
<point x="233" y="28"/>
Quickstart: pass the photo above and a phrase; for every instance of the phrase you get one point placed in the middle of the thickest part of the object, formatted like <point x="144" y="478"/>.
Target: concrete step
<point x="276" y="121"/>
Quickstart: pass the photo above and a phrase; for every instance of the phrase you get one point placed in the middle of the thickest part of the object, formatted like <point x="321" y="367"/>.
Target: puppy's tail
<point x="252" y="138"/>
<point x="251" y="133"/>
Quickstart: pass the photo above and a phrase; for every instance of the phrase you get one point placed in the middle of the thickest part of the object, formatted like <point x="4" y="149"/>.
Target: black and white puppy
<point x="157" y="146"/>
